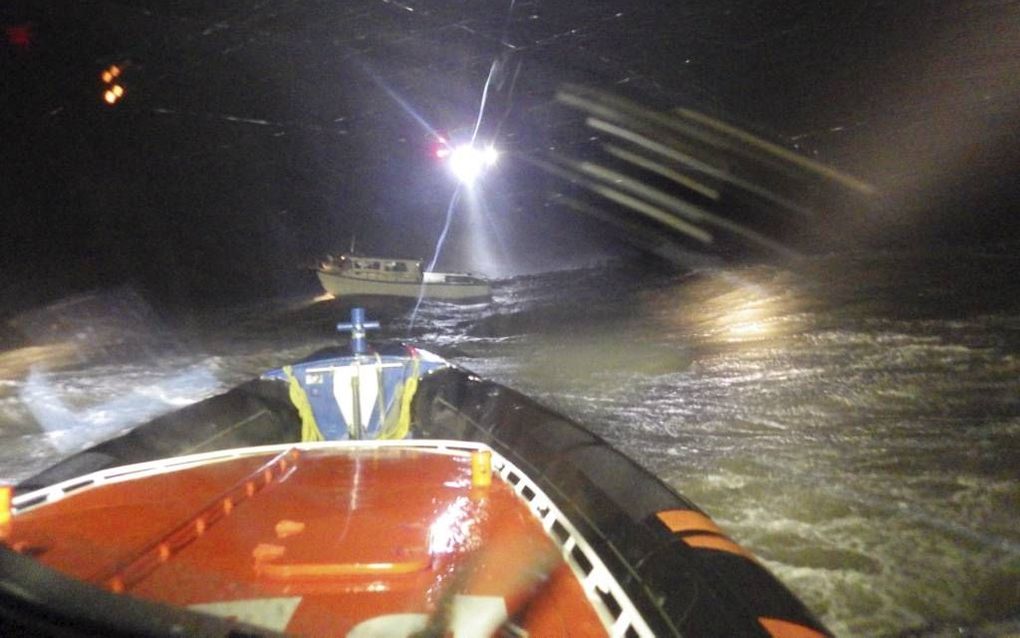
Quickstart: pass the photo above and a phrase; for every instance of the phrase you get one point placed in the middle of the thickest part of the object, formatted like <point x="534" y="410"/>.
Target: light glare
<point x="490" y="156"/>
<point x="465" y="162"/>
<point x="468" y="162"/>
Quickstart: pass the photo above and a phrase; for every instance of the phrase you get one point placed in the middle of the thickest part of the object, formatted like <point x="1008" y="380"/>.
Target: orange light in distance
<point x="113" y="91"/>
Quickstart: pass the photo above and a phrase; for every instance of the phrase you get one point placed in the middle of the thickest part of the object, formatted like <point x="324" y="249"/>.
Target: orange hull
<point x="321" y="542"/>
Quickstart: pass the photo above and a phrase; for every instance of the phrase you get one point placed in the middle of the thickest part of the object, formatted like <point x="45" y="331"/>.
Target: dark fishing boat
<point x="373" y="493"/>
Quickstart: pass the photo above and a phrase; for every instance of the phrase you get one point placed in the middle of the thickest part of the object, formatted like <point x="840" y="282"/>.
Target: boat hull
<point x="343" y="285"/>
<point x="339" y="538"/>
<point x="667" y="559"/>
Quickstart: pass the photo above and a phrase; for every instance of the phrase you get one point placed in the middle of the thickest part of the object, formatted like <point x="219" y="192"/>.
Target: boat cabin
<point x="380" y="268"/>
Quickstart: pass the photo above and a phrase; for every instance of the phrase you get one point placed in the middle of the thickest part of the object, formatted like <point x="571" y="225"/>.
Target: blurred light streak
<point x="693" y="126"/>
<point x="628" y="201"/>
<point x="446" y="229"/>
<point x="637" y="235"/>
<point x="696" y="164"/>
<point x="785" y="154"/>
<point x="657" y="168"/>
<point x="655" y="147"/>
<point x="701" y="215"/>
<point x="681" y="207"/>
<point x="485" y="95"/>
<point x="611" y="108"/>
<point x="678" y="206"/>
<point x="435" y="255"/>
<point x="654" y="212"/>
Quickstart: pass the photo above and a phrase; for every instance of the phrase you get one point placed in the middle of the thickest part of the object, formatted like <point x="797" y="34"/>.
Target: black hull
<point x="679" y="590"/>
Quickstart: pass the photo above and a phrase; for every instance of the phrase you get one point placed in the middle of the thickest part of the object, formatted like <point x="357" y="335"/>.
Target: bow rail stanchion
<point x="357" y="326"/>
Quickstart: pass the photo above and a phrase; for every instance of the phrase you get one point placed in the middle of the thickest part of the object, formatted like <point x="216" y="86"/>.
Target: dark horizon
<point x="250" y="143"/>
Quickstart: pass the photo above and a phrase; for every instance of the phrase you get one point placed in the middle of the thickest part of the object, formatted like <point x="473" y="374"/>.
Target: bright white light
<point x="490" y="155"/>
<point x="468" y="162"/>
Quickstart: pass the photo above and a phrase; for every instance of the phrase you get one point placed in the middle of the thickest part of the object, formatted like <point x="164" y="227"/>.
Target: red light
<point x="440" y="147"/>
<point x="19" y="35"/>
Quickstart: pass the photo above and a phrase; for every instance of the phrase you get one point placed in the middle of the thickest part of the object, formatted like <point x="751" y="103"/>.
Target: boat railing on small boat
<point x="384" y="269"/>
<point x="389" y="492"/>
<point x="346" y="276"/>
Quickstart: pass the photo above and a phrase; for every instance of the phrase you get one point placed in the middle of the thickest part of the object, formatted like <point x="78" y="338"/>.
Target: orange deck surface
<point x="317" y="542"/>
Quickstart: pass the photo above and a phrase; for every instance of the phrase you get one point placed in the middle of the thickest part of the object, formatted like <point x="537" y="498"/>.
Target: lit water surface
<point x="854" y="420"/>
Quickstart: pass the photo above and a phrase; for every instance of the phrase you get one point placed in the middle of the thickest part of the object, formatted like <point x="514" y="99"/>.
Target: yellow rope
<point x="309" y="428"/>
<point x="402" y="426"/>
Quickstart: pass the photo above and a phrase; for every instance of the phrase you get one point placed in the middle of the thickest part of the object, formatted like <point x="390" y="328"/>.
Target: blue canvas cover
<point x="331" y="384"/>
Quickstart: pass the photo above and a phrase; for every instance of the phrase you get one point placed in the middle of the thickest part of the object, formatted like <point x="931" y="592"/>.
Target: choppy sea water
<point x="854" y="420"/>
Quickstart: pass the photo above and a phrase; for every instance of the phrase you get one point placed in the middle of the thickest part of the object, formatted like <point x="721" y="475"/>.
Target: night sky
<point x="255" y="136"/>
